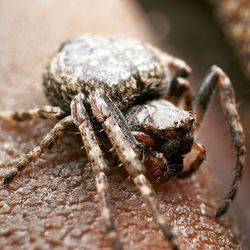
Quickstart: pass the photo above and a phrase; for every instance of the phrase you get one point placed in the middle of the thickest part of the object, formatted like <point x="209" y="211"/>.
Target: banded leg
<point x="104" y="114"/>
<point x="46" y="112"/>
<point x="216" y="77"/>
<point x="95" y="155"/>
<point x="47" y="143"/>
<point x="194" y="166"/>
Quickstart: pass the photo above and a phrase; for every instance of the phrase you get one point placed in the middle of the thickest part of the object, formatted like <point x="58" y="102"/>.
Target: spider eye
<point x="175" y="122"/>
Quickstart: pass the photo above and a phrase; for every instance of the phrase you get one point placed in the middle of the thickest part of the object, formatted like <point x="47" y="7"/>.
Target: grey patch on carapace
<point x="125" y="69"/>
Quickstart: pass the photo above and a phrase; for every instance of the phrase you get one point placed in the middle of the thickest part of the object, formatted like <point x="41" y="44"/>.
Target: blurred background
<point x="196" y="31"/>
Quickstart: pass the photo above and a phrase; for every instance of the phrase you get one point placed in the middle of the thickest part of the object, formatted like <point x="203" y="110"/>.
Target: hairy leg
<point x="103" y="113"/>
<point x="46" y="112"/>
<point x="216" y="77"/>
<point x="96" y="158"/>
<point x="194" y="166"/>
<point x="47" y="142"/>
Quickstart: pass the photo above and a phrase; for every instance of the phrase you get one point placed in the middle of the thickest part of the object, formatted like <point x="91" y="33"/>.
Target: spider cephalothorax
<point x="116" y="83"/>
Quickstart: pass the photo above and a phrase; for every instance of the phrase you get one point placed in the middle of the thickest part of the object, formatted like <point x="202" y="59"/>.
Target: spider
<point x="134" y="92"/>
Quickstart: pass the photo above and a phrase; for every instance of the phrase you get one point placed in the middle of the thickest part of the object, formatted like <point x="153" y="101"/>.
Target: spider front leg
<point x="98" y="164"/>
<point x="104" y="112"/>
<point x="216" y="77"/>
<point x="46" y="112"/>
<point x="47" y="142"/>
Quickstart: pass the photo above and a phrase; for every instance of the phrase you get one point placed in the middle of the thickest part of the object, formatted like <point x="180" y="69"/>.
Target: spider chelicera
<point x="133" y="91"/>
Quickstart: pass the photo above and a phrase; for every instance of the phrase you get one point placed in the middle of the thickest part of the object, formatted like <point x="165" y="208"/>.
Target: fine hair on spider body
<point x="133" y="91"/>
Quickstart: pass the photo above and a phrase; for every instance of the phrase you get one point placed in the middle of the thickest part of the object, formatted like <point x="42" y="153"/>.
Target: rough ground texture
<point x="53" y="203"/>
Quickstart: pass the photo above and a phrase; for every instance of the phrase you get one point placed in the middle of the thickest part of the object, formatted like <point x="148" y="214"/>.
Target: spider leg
<point x="103" y="111"/>
<point x="217" y="77"/>
<point x="176" y="67"/>
<point x="46" y="112"/>
<point x="95" y="155"/>
<point x="179" y="90"/>
<point x="194" y="166"/>
<point x="47" y="142"/>
<point x="179" y="85"/>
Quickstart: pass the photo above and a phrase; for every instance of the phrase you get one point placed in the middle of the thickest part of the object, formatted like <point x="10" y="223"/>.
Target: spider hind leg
<point x="216" y="77"/>
<point x="46" y="112"/>
<point x="47" y="142"/>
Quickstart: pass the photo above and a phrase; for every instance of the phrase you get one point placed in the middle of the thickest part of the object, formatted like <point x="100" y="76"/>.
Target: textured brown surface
<point x="54" y="202"/>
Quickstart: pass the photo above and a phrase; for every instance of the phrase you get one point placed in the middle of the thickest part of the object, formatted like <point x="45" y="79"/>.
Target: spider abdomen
<point x="125" y="69"/>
